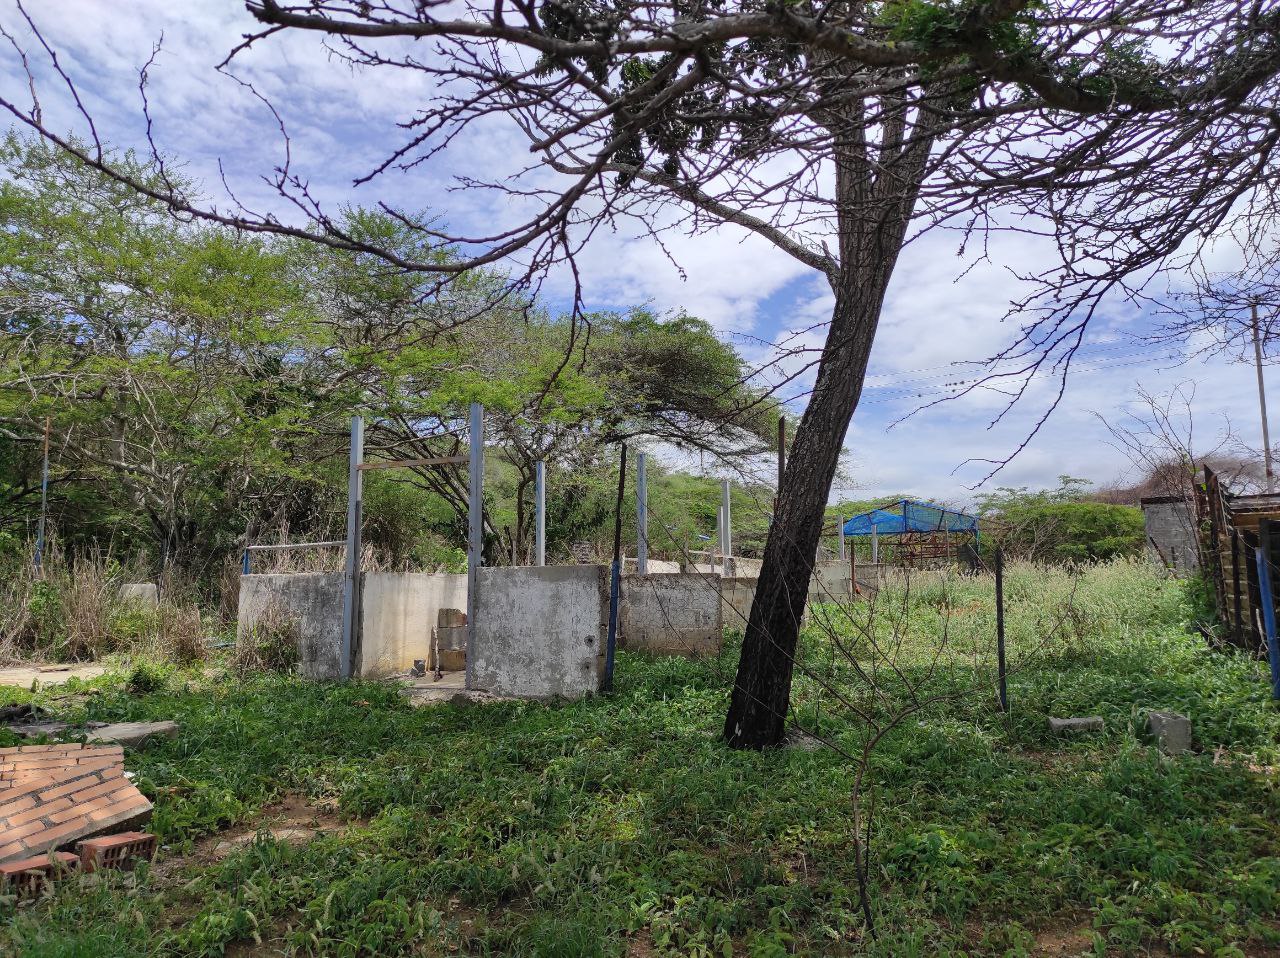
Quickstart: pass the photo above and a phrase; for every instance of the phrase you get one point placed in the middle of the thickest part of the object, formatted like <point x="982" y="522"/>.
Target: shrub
<point x="271" y="644"/>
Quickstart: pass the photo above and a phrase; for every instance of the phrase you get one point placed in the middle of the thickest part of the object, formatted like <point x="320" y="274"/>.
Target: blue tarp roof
<point x="911" y="516"/>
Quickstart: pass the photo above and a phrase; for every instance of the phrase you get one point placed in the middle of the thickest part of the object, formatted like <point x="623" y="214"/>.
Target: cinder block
<point x="1171" y="730"/>
<point x="1088" y="723"/>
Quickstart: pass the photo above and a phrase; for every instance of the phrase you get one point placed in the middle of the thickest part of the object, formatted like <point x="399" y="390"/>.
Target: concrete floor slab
<point x="49" y="674"/>
<point x="426" y="690"/>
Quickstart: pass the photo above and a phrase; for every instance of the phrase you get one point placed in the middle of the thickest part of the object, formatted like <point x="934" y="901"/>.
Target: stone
<point x="1088" y="723"/>
<point x="134" y="733"/>
<point x="142" y="593"/>
<point x="1171" y="730"/>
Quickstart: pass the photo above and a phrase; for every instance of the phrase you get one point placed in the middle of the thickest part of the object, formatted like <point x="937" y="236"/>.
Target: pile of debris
<point x="53" y="796"/>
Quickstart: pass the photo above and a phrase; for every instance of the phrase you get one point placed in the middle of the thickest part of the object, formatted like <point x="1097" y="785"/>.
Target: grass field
<point x="622" y="826"/>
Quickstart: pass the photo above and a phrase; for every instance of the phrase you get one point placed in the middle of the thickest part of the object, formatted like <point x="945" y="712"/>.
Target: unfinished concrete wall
<point x="315" y="600"/>
<point x="656" y="566"/>
<point x="400" y="609"/>
<point x="736" y="596"/>
<point x="671" y="614"/>
<point x="1170" y="528"/>
<point x="830" y="582"/>
<point x="540" y="630"/>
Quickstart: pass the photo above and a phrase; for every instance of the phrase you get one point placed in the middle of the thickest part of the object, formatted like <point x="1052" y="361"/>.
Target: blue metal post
<point x="1269" y="618"/>
<point x="244" y="563"/>
<point x="44" y="498"/>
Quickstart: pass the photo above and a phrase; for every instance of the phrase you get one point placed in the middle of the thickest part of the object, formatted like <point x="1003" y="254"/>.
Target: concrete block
<point x="1171" y="730"/>
<point x="143" y="593"/>
<point x="1089" y="723"/>
<point x="832" y="581"/>
<point x="540" y="630"/>
<point x="134" y="733"/>
<point x="315" y="599"/>
<point x="671" y="614"/>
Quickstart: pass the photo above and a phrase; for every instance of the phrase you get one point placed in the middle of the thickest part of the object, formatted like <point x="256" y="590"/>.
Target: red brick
<point x="43" y="810"/>
<point x="116" y="851"/>
<point x="74" y="785"/>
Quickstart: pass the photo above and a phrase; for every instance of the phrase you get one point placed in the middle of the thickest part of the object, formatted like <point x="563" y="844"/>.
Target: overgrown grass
<point x="622" y="826"/>
<point x="72" y="609"/>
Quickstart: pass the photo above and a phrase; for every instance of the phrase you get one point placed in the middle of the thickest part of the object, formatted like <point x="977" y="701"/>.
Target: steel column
<point x="540" y="513"/>
<point x="642" y="516"/>
<point x="475" y="526"/>
<point x="351" y="573"/>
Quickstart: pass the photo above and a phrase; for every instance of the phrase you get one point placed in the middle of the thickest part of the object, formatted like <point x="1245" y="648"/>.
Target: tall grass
<point x="72" y="609"/>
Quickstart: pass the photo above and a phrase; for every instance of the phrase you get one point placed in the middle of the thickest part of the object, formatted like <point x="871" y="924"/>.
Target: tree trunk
<point x="875" y="210"/>
<point x="762" y="689"/>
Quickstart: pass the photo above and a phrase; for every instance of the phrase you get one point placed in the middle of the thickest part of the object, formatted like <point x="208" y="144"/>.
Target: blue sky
<point x="341" y="123"/>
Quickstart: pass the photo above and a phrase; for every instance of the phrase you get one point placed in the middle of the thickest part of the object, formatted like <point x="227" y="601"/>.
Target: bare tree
<point x="1235" y="314"/>
<point x="1123" y="129"/>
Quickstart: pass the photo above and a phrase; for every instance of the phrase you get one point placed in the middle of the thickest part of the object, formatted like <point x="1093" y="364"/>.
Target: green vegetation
<point x="623" y="826"/>
<point x="199" y="385"/>
<point x="1060" y="525"/>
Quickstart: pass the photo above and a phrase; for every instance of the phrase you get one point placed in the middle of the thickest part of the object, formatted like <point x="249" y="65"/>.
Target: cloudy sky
<point x="342" y="123"/>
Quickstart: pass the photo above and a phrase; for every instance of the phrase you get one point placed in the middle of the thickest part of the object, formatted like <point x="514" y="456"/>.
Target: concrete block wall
<point x="671" y="614"/>
<point x="1171" y="532"/>
<point x="400" y="610"/>
<point x="736" y="596"/>
<point x="540" y="630"/>
<point x="656" y="566"/>
<point x="315" y="600"/>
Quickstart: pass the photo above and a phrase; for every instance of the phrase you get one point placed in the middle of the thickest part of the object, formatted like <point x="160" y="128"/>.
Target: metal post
<point x="244" y="563"/>
<point x="642" y="516"/>
<point x="615" y="578"/>
<point x="44" y="498"/>
<point x="1267" y="597"/>
<point x="875" y="545"/>
<point x="540" y="513"/>
<point x="1004" y="689"/>
<point x="726" y="543"/>
<point x="351" y="574"/>
<point x="842" y="546"/>
<point x="1262" y="401"/>
<point x="475" y="526"/>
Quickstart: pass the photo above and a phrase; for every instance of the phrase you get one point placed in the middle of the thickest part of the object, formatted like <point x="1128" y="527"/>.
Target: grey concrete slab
<point x="315" y="599"/>
<point x="1088" y="723"/>
<point x="134" y="733"/>
<point x="49" y="674"/>
<point x="540" y="630"/>
<point x="1171" y="730"/>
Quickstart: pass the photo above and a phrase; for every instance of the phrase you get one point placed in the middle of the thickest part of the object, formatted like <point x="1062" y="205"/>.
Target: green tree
<point x="1060" y="525"/>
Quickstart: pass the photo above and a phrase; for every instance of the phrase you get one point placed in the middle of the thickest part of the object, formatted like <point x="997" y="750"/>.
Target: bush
<point x="272" y="644"/>
<point x="1061" y="525"/>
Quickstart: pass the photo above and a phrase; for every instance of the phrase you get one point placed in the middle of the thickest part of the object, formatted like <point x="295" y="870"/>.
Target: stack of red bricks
<point x="52" y="795"/>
